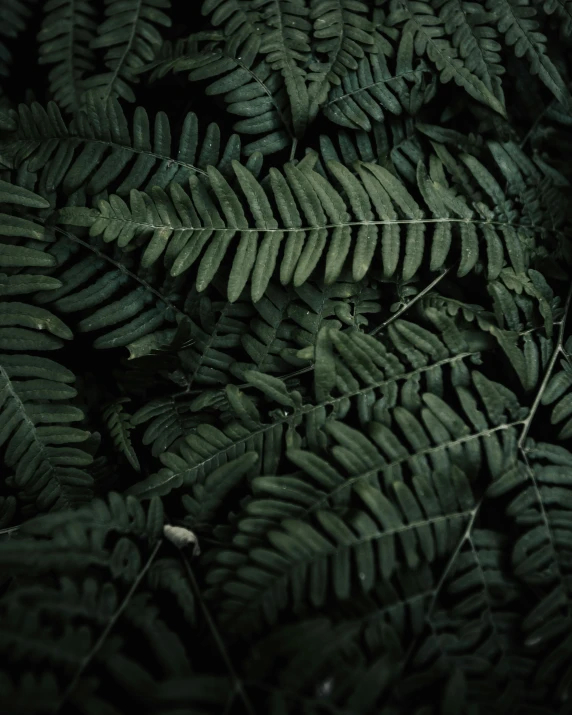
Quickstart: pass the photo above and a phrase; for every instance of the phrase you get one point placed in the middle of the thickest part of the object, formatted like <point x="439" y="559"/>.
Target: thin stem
<point x="121" y="61"/>
<point x="536" y="123"/>
<point x="548" y="374"/>
<point x="144" y="226"/>
<point x="10" y="530"/>
<point x="108" y="628"/>
<point x="121" y="267"/>
<point x="446" y="571"/>
<point x="238" y="686"/>
<point x="293" y="149"/>
<point x="451" y="562"/>
<point x="412" y="302"/>
<point x="367" y="87"/>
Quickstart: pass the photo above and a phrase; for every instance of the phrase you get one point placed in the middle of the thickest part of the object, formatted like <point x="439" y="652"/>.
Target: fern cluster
<point x="286" y="357"/>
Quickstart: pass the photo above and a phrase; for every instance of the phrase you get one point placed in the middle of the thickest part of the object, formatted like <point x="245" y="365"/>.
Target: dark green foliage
<point x="91" y="152"/>
<point x="15" y="15"/>
<point x="130" y="40"/>
<point x="65" y="42"/>
<point x="285" y="357"/>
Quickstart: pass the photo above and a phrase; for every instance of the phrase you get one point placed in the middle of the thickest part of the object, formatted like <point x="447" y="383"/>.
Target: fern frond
<point x="217" y="327"/>
<point x="248" y="86"/>
<point x="119" y="424"/>
<point x="111" y="295"/>
<point x="523" y="325"/>
<point x="424" y="32"/>
<point x="131" y="40"/>
<point x="98" y="153"/>
<point x="226" y="333"/>
<point x="315" y="645"/>
<point x="204" y="500"/>
<point x="288" y="320"/>
<point x="367" y="671"/>
<point x="469" y="27"/>
<point x="13" y="255"/>
<point x="366" y="95"/>
<point x="351" y="146"/>
<point x="159" y="350"/>
<point x="35" y="392"/>
<point x="528" y="182"/>
<point x="67" y="31"/>
<point x="559" y="394"/>
<point x="285" y="43"/>
<point x="36" y="416"/>
<point x="372" y="206"/>
<point x="516" y="21"/>
<point x="343" y="33"/>
<point x="207" y="449"/>
<point x="351" y="546"/>
<point x="480" y="597"/>
<point x="539" y="488"/>
<point x="239" y="20"/>
<point x="365" y="374"/>
<point x="166" y="421"/>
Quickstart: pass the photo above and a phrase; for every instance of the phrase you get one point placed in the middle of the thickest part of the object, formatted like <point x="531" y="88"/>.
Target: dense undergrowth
<point x="285" y="357"/>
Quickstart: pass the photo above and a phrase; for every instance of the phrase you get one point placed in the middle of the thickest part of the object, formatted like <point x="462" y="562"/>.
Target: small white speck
<point x="181" y="537"/>
<point x="325" y="688"/>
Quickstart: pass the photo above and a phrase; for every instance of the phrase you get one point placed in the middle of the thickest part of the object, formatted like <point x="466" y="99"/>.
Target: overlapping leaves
<point x="298" y="216"/>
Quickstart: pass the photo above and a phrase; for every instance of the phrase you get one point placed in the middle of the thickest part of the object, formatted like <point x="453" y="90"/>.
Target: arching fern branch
<point x="36" y="392"/>
<point x="518" y="24"/>
<point x="343" y="33"/>
<point x="280" y="31"/>
<point x="379" y="510"/>
<point x="558" y="393"/>
<point x="480" y="596"/>
<point x="416" y="356"/>
<point x="119" y="423"/>
<point x="369" y="93"/>
<point x="131" y="39"/>
<point x="112" y="294"/>
<point x="98" y="152"/>
<point x="376" y="621"/>
<point x="290" y="319"/>
<point x="316" y="218"/>
<point x="285" y="44"/>
<point x="67" y="31"/>
<point x="424" y="32"/>
<point x="539" y="488"/>
<point x="531" y="467"/>
<point x="247" y="84"/>
<point x="469" y="27"/>
<point x="239" y="21"/>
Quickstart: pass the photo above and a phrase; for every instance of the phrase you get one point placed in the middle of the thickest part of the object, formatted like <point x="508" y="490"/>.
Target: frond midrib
<point x="32" y="428"/>
<point x="309" y="409"/>
<point x="121" y="61"/>
<point x="256" y="603"/>
<point x="114" y="146"/>
<point x="381" y="222"/>
<point x="367" y="87"/>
